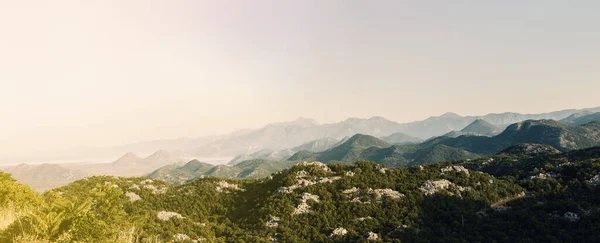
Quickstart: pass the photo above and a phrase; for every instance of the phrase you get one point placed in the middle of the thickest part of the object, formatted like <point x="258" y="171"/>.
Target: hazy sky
<point x="75" y="73"/>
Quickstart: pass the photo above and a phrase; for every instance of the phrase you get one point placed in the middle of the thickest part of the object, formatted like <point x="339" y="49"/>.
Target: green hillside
<point x="508" y="197"/>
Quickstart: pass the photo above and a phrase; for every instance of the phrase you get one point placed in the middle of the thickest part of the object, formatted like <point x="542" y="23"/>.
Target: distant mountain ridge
<point x="280" y="155"/>
<point x="44" y="176"/>
<point x="400" y="138"/>
<point x="478" y="127"/>
<point x="581" y="118"/>
<point x="194" y="169"/>
<point x="286" y="135"/>
<point x="546" y="132"/>
<point x="158" y="158"/>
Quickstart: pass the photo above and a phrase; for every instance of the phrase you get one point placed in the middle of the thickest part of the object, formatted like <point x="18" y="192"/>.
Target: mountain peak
<point x="482" y="127"/>
<point x="450" y="115"/>
<point x="160" y="153"/>
<point x="128" y="159"/>
<point x="361" y="140"/>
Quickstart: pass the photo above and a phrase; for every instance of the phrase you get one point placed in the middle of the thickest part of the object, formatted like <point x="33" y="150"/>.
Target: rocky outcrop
<point x="303" y="207"/>
<point x="379" y="193"/>
<point x="166" y="216"/>
<point x="543" y="176"/>
<point x="132" y="196"/>
<point x="372" y="236"/>
<point x="434" y="186"/>
<point x="571" y="216"/>
<point x="304" y="183"/>
<point x="456" y="168"/>
<point x="181" y="237"/>
<point x="324" y="167"/>
<point x="338" y="232"/>
<point x="224" y="186"/>
<point x="273" y="222"/>
<point x="595" y="180"/>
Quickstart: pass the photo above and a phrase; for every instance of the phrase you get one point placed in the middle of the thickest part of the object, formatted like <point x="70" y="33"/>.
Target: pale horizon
<point x="85" y="74"/>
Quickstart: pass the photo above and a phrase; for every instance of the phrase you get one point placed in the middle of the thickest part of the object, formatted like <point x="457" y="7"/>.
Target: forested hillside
<point x="519" y="195"/>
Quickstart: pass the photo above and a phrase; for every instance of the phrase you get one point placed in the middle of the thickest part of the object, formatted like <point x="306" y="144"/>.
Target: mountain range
<point x="530" y="135"/>
<point x="364" y="147"/>
<point x="286" y="135"/>
<point x="477" y="128"/>
<point x="581" y="118"/>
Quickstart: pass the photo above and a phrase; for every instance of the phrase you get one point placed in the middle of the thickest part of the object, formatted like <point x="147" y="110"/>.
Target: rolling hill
<point x="509" y="198"/>
<point x="44" y="176"/>
<point x="581" y="118"/>
<point x="477" y="128"/>
<point x="400" y="138"/>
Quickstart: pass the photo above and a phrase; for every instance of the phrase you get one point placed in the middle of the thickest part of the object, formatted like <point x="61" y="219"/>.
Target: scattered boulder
<point x="379" y="193"/>
<point x="352" y="190"/>
<point x="166" y="216"/>
<point x="349" y="173"/>
<point x="456" y="168"/>
<point x="543" y="176"/>
<point x="274" y="222"/>
<point x="304" y="183"/>
<point x="181" y="237"/>
<point x="303" y="207"/>
<point x="301" y="174"/>
<point x="133" y="197"/>
<point x="372" y="236"/>
<point x="324" y="167"/>
<point x="222" y="185"/>
<point x="434" y="186"/>
<point x="595" y="180"/>
<point x="147" y="181"/>
<point x="363" y="219"/>
<point x="571" y="216"/>
<point x="338" y="232"/>
<point x="155" y="190"/>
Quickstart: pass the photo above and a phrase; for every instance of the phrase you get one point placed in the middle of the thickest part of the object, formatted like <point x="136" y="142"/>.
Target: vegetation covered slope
<point x="256" y="168"/>
<point x="477" y="128"/>
<point x="368" y="148"/>
<point x="581" y="118"/>
<point x="508" y="197"/>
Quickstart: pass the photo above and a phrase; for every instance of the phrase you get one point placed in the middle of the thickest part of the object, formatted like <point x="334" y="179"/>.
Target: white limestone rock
<point x="571" y="216"/>
<point x="303" y="206"/>
<point x="379" y="193"/>
<point x="181" y="237"/>
<point x="166" y="216"/>
<point x="363" y="219"/>
<point x="338" y="232"/>
<point x="434" y="186"/>
<point x="352" y="190"/>
<point x="274" y="222"/>
<point x="224" y="186"/>
<point x="456" y="168"/>
<point x="372" y="236"/>
<point x="595" y="180"/>
<point x="543" y="176"/>
<point x="147" y="181"/>
<point x="132" y="196"/>
<point x="324" y="167"/>
<point x="301" y="174"/>
<point x="304" y="183"/>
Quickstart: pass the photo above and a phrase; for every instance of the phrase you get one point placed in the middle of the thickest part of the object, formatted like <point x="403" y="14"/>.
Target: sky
<point x="97" y="73"/>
